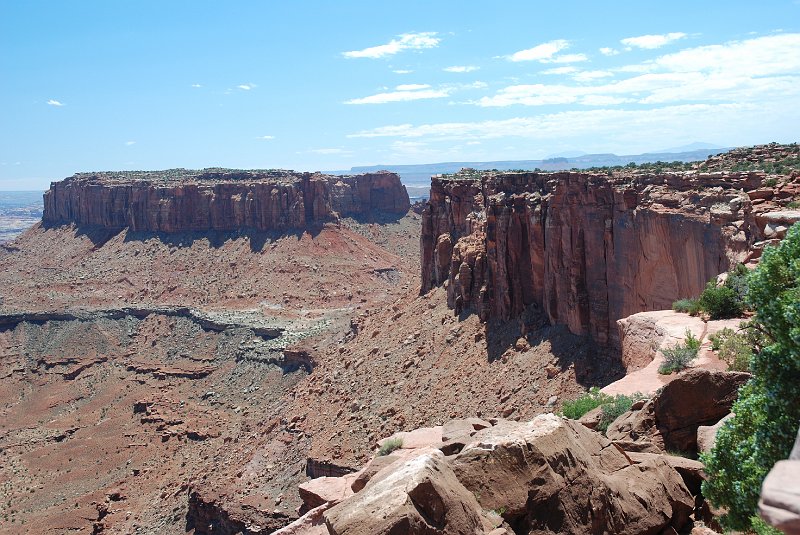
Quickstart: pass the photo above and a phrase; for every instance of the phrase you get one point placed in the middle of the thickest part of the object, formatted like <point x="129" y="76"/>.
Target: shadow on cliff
<point x="377" y="217"/>
<point x="217" y="238"/>
<point x="99" y="236"/>
<point x="594" y="365"/>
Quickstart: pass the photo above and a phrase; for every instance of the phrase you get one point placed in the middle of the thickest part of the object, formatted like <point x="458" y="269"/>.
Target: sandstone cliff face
<point x="219" y="200"/>
<point x="587" y="248"/>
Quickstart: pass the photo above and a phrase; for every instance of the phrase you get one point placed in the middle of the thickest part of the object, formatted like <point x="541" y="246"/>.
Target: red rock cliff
<point x="180" y="200"/>
<point x="588" y="248"/>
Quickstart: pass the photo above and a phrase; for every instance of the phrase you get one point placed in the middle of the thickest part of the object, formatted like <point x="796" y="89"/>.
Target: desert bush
<point x="734" y="348"/>
<point x="679" y="357"/>
<point x="578" y="407"/>
<point x="612" y="410"/>
<point x="718" y="337"/>
<point x="764" y="427"/>
<point x="686" y="305"/>
<point x="389" y="446"/>
<point x="720" y="302"/>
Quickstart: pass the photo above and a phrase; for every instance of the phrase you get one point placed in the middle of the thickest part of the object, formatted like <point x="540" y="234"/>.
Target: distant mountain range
<point x="418" y="175"/>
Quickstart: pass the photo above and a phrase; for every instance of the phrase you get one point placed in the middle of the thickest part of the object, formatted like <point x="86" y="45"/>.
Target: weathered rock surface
<point x="552" y="475"/>
<point x="670" y="420"/>
<point x="420" y="497"/>
<point x="588" y="248"/>
<point x="218" y="199"/>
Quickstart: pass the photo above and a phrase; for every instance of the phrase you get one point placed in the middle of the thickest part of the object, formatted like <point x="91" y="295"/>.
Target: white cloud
<point x="461" y="68"/>
<point x="266" y="138"/>
<point x="53" y="102"/>
<point x="401" y="95"/>
<point x="411" y="87"/>
<point x="402" y="71"/>
<point x="568" y="58"/>
<point x="406" y="41"/>
<point x="543" y="52"/>
<point x="607" y="51"/>
<point x="625" y="127"/>
<point x="129" y="143"/>
<point x="246" y="87"/>
<point x="589" y="76"/>
<point x="652" y="41"/>
<point x="196" y="85"/>
<point x="561" y="70"/>
<point x="748" y="71"/>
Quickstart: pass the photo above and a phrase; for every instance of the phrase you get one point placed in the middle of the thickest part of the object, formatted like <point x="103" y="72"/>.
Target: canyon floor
<point x="118" y="409"/>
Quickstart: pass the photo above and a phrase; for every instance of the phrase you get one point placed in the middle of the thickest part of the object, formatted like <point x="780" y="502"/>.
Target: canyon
<point x="223" y="337"/>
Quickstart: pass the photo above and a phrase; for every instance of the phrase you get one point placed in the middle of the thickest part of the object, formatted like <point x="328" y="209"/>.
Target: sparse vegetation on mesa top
<point x="679" y="357"/>
<point x="719" y="301"/>
<point x="611" y="406"/>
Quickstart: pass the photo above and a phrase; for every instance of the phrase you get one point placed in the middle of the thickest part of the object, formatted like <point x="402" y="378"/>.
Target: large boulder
<point x="420" y="496"/>
<point x="553" y="475"/>
<point x="698" y="397"/>
<point x="671" y="419"/>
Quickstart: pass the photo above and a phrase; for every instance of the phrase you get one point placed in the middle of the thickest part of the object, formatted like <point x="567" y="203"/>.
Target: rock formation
<point x="545" y="476"/>
<point x="218" y="199"/>
<point x="588" y="248"/>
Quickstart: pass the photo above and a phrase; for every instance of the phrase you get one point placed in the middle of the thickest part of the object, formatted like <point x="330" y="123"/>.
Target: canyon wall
<point x="588" y="248"/>
<point x="179" y="200"/>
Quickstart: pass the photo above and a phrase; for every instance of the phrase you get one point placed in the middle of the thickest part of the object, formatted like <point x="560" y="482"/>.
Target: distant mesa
<point x="179" y="200"/>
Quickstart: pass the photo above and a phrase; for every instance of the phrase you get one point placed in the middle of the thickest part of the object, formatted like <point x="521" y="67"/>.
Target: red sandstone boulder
<point x="670" y="420"/>
<point x="553" y="475"/>
<point x="421" y="496"/>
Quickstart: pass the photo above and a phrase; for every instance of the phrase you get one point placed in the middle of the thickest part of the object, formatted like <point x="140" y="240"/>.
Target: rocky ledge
<point x="181" y="200"/>
<point x="590" y="248"/>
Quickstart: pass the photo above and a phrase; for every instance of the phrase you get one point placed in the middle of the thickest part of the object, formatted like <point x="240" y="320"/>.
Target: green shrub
<point x="578" y="407"/>
<point x="612" y="410"/>
<point x="686" y="305"/>
<point x="767" y="412"/>
<point x="679" y="357"/>
<point x="771" y="182"/>
<point x="719" y="337"/>
<point x="734" y="348"/>
<point x="389" y="446"/>
<point x="720" y="302"/>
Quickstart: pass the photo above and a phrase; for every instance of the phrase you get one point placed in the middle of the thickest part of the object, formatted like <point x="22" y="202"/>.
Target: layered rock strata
<point x="218" y="199"/>
<point x="588" y="248"/>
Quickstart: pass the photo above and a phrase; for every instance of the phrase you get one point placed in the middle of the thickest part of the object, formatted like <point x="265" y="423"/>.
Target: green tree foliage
<point x="767" y="412"/>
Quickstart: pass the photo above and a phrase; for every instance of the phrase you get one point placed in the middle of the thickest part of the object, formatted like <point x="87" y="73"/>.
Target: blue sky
<point x="113" y="84"/>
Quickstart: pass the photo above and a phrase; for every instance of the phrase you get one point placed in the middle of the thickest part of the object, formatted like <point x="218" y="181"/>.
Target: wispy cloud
<point x="402" y="71"/>
<point x="53" y="102"/>
<point x="129" y="143"/>
<point x="739" y="72"/>
<point x="266" y="138"/>
<point x="411" y="87"/>
<point x="608" y="51"/>
<point x="652" y="41"/>
<point x="627" y="124"/>
<point x="560" y="70"/>
<point x="246" y="87"/>
<point x="543" y="52"/>
<point x="196" y="85"/>
<point x="406" y="41"/>
<point x="546" y="53"/>
<point x="403" y="93"/>
<point x="461" y="68"/>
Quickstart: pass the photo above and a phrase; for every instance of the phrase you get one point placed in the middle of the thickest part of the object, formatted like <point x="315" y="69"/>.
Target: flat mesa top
<point x="211" y="174"/>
